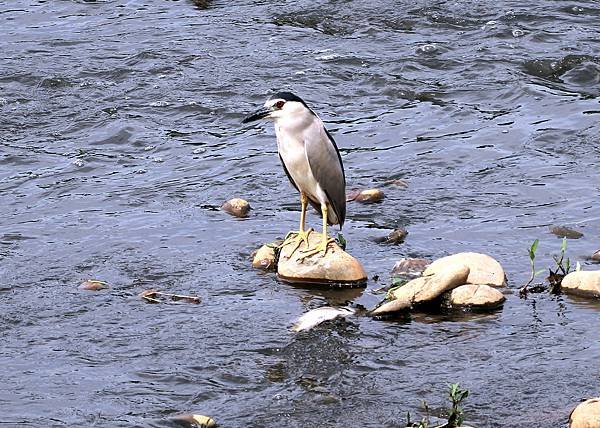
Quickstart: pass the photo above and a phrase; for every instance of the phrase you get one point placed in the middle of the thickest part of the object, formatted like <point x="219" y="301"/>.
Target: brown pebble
<point x="596" y="256"/>
<point x="236" y="207"/>
<point x="368" y="196"/>
<point x="565" y="232"/>
<point x="397" y="236"/>
<point x="93" y="285"/>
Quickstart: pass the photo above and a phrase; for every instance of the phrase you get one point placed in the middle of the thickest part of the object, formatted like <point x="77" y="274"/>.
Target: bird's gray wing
<point x="327" y="168"/>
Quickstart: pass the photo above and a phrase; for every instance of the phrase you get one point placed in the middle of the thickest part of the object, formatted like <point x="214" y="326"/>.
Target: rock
<point x="236" y="207"/>
<point x="483" y="268"/>
<point x="397" y="182"/>
<point x="337" y="267"/>
<point x="93" y="285"/>
<point x="476" y="296"/>
<point x="366" y="196"/>
<point x="585" y="283"/>
<point x="395" y="237"/>
<point x="409" y="268"/>
<point x="196" y="420"/>
<point x="596" y="256"/>
<point x="586" y="414"/>
<point x="320" y="315"/>
<point x="565" y="232"/>
<point x="265" y="257"/>
<point x="391" y="307"/>
<point x="434" y="286"/>
<point x="424" y="289"/>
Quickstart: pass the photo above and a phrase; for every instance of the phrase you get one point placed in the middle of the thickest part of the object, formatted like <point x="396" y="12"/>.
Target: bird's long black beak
<point x="258" y="114"/>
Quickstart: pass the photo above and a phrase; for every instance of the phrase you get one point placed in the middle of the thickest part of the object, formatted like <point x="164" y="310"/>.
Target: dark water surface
<point x="120" y="135"/>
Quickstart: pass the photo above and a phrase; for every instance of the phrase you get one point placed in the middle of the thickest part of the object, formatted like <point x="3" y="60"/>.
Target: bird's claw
<point x="322" y="247"/>
<point x="301" y="236"/>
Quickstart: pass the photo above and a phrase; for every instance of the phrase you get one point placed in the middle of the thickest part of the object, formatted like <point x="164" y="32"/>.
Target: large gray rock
<point x="583" y="283"/>
<point x="483" y="268"/>
<point x="337" y="267"/>
<point x="586" y="414"/>
<point x="476" y="296"/>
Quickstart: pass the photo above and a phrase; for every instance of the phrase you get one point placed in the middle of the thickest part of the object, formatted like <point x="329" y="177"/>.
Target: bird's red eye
<point x="279" y="104"/>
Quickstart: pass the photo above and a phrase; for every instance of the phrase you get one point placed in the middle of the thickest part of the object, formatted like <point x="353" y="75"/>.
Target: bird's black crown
<point x="287" y="96"/>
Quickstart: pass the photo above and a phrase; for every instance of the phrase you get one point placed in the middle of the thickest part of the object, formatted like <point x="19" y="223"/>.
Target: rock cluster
<point x="464" y="280"/>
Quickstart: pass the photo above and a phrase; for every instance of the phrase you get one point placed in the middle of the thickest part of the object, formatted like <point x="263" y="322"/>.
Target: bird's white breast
<point x="291" y="147"/>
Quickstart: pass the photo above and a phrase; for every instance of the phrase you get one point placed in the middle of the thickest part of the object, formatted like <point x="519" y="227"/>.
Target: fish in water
<point x="317" y="316"/>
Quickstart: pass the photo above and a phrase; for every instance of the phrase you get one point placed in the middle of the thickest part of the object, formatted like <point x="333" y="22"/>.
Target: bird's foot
<point x="320" y="248"/>
<point x="301" y="236"/>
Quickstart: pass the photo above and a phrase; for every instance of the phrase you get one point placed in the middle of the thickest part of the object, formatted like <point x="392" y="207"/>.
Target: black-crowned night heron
<point x="311" y="161"/>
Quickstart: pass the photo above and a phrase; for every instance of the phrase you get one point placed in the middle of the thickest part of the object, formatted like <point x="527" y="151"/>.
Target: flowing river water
<point x="120" y="137"/>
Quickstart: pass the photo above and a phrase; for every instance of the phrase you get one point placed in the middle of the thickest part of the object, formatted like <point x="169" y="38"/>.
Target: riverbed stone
<point x="236" y="207"/>
<point x="408" y="268"/>
<point x="476" y="296"/>
<point x="391" y="306"/>
<point x="596" y="256"/>
<point x="585" y="283"/>
<point x="367" y="196"/>
<point x="483" y="268"/>
<point x="586" y="414"/>
<point x="265" y="257"/>
<point x="336" y="267"/>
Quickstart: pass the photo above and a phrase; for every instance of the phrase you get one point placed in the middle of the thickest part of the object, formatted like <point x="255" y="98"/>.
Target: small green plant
<point x="532" y="250"/>
<point x="563" y="267"/>
<point x="555" y="277"/>
<point x="423" y="423"/>
<point x="341" y="241"/>
<point x="455" y="416"/>
<point x="457" y="395"/>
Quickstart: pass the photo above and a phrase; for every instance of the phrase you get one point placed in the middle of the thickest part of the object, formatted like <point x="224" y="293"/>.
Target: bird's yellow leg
<point x="322" y="247"/>
<point x="301" y="235"/>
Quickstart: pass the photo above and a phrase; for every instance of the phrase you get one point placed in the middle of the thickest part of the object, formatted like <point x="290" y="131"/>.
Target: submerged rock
<point x="320" y="315"/>
<point x="368" y="196"/>
<point x="476" y="296"/>
<point x="236" y="207"/>
<point x="565" y="232"/>
<point x="582" y="283"/>
<point x="396" y="236"/>
<point x="586" y="414"/>
<point x="483" y="268"/>
<point x="93" y="285"/>
<point x="596" y="256"/>
<point x="409" y="268"/>
<point x="337" y="267"/>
